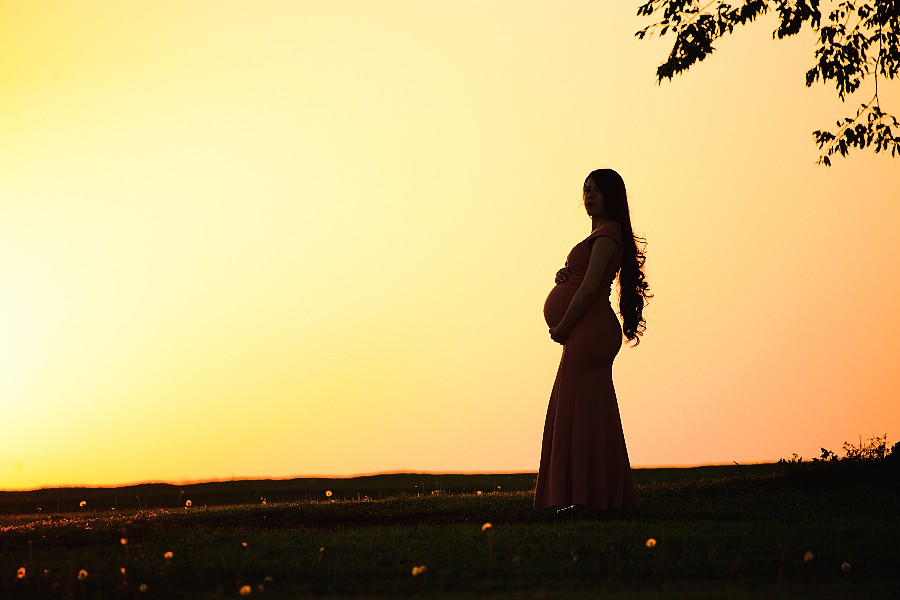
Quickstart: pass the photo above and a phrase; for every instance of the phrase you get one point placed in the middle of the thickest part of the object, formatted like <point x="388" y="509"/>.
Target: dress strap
<point x="610" y="229"/>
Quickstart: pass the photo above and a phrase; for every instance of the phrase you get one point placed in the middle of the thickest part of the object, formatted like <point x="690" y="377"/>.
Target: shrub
<point x="873" y="461"/>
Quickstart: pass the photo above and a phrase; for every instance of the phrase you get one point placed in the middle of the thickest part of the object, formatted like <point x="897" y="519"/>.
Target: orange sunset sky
<point x="286" y="238"/>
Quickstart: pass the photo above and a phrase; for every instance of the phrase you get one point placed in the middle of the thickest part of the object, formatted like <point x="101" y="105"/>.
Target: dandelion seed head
<point x="243" y="544"/>
<point x="20" y="574"/>
<point x="122" y="570"/>
<point x="142" y="588"/>
<point x="486" y="526"/>
<point x="82" y="575"/>
<point x="650" y="543"/>
<point x="321" y="549"/>
<point x="83" y="503"/>
<point x="168" y="555"/>
<point x="808" y="556"/>
<point x="188" y="503"/>
<point x="845" y="567"/>
<point x="246" y="590"/>
<point x="123" y="541"/>
<point x="328" y="493"/>
<point x="478" y="493"/>
<point x="416" y="571"/>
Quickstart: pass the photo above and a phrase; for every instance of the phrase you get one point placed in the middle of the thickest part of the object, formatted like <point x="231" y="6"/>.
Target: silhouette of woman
<point x="584" y="461"/>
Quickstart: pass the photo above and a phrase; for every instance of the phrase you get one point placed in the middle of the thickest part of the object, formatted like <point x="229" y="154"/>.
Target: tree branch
<point x="842" y="56"/>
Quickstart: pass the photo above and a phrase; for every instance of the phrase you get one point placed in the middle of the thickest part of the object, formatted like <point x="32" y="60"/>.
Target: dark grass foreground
<point x="799" y="534"/>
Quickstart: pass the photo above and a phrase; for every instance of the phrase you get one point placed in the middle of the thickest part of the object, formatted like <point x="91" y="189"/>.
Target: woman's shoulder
<point x="610" y="226"/>
<point x="609" y="229"/>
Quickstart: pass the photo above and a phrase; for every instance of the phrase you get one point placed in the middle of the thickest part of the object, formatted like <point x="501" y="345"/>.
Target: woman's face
<point x="593" y="199"/>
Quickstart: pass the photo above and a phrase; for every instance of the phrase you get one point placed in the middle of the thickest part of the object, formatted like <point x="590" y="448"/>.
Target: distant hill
<point x="255" y="491"/>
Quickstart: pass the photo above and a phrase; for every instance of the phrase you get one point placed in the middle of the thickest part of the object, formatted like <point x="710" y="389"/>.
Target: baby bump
<point x="557" y="302"/>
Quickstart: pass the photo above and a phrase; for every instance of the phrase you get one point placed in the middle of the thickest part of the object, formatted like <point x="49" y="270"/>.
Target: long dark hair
<point x="634" y="291"/>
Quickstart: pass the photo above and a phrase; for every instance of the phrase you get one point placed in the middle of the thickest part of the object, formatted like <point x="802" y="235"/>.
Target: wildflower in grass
<point x="142" y="588"/>
<point x="20" y="574"/>
<point x="808" y="556"/>
<point x="188" y="503"/>
<point x="243" y="544"/>
<point x="845" y="567"/>
<point x="168" y="555"/>
<point x="82" y="575"/>
<point x="83" y="503"/>
<point x="123" y="541"/>
<point x="246" y="590"/>
<point x="486" y="526"/>
<point x="416" y="571"/>
<point x="328" y="493"/>
<point x="650" y="543"/>
<point x="478" y="493"/>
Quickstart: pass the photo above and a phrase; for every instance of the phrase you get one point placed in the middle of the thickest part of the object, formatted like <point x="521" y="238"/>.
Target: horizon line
<point x="351" y="476"/>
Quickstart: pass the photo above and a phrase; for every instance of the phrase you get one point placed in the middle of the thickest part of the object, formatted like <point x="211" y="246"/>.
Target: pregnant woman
<point x="584" y="461"/>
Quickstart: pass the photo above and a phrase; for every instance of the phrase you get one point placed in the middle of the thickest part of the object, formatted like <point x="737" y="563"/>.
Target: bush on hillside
<point x="871" y="461"/>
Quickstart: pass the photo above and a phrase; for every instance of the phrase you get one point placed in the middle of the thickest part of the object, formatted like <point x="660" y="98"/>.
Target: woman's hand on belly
<point x="562" y="275"/>
<point x="558" y="335"/>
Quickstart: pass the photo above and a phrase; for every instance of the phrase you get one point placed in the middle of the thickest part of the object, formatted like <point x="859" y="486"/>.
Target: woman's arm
<point x="602" y="251"/>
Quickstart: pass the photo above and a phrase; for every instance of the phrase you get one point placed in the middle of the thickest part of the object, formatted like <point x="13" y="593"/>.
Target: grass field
<point x="723" y="532"/>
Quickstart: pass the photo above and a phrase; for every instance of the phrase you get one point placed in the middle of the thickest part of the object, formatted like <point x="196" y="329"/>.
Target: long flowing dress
<point x="583" y="456"/>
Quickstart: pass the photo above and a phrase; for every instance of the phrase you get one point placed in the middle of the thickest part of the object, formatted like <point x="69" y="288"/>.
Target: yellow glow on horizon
<point x="284" y="239"/>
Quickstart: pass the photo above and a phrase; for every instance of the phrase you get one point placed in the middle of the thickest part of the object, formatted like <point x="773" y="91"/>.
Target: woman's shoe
<point x="570" y="512"/>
